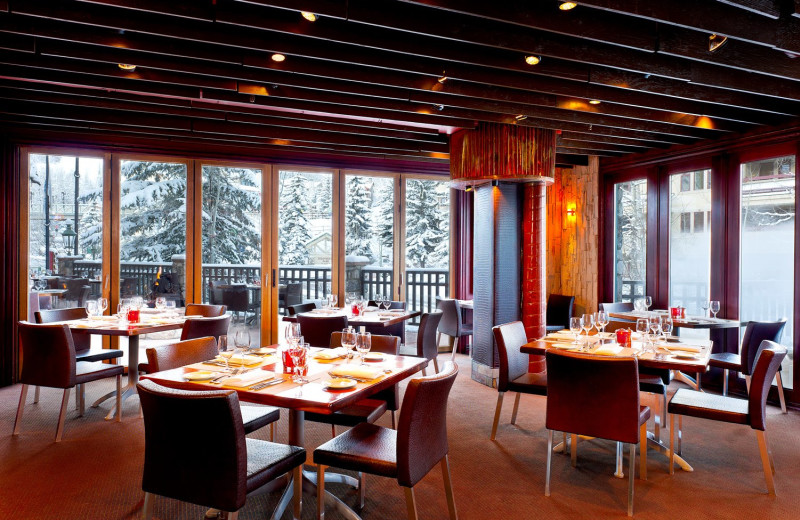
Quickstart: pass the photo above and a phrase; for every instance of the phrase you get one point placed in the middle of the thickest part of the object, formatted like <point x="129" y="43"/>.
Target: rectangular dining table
<point x="659" y="360"/>
<point x="372" y="318"/>
<point x="298" y="399"/>
<point x="690" y="322"/>
<point x="105" y="326"/>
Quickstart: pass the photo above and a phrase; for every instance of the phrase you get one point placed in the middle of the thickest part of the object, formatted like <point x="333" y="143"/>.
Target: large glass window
<point x="630" y="236"/>
<point x="427" y="243"/>
<point x="369" y="235"/>
<point x="231" y="234"/>
<point x="767" y="246"/>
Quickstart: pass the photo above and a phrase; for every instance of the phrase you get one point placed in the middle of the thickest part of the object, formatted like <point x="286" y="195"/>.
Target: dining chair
<point x="200" y="327"/>
<point x="559" y="311"/>
<point x="300" y="307"/>
<point x="48" y="359"/>
<point x="398" y="329"/>
<point x="237" y="299"/>
<point x="363" y="412"/>
<point x="406" y="454"/>
<point x="82" y="342"/>
<point x="755" y="332"/>
<point x="596" y="396"/>
<point x="451" y="324"/>
<point x="616" y="307"/>
<point x="195" y="450"/>
<point x="750" y="411"/>
<point x="182" y="353"/>
<point x="427" y="346"/>
<point x="317" y="330"/>
<point x="514" y="375"/>
<point x="205" y="310"/>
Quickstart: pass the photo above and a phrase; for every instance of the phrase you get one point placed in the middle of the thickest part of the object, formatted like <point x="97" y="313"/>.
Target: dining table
<point x="313" y="396"/>
<point x="675" y="354"/>
<point x="372" y="317"/>
<point x="112" y="326"/>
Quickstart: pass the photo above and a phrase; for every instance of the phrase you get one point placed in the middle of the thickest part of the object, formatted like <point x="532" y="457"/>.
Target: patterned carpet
<point x="95" y="473"/>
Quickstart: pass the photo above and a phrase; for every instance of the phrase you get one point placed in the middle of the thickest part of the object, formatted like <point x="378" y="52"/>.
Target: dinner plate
<point x="373" y="356"/>
<point x="339" y="383"/>
<point x="200" y="375"/>
<point x="688" y="357"/>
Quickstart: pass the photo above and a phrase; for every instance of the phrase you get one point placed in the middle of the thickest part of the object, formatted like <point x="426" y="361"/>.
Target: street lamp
<point x="69" y="237"/>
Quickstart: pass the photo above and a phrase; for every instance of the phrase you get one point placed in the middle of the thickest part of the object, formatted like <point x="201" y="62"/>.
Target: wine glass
<point x="378" y="300"/>
<point x="642" y="326"/>
<point x="324" y="301"/>
<point x="655" y="325"/>
<point x="241" y="340"/>
<point x="292" y="333"/>
<point x="714" y="306"/>
<point x="222" y="345"/>
<point x="333" y="300"/>
<point x="575" y="326"/>
<point x="363" y="344"/>
<point x="161" y="303"/>
<point x="298" y="354"/>
<point x="601" y="320"/>
<point x="91" y="308"/>
<point x="588" y="323"/>
<point x="102" y="304"/>
<point x="706" y="304"/>
<point x="648" y="302"/>
<point x="666" y="326"/>
<point x="349" y="340"/>
<point x="387" y="302"/>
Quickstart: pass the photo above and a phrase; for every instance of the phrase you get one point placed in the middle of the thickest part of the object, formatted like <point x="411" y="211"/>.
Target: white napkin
<point x="561" y="335"/>
<point x="568" y="346"/>
<point x="357" y="371"/>
<point x="239" y="359"/>
<point x="330" y="353"/>
<point x="680" y="347"/>
<point x="248" y="378"/>
<point x="608" y="349"/>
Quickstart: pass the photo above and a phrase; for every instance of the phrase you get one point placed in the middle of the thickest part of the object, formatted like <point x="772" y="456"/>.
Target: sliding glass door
<point x="630" y="240"/>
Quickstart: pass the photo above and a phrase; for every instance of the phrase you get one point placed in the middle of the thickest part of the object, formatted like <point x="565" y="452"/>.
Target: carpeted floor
<point x="95" y="472"/>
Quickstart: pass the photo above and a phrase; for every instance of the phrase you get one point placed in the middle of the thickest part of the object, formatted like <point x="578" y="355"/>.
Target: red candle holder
<point x="288" y="362"/>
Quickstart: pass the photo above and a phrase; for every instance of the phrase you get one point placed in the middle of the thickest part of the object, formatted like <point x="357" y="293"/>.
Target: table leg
<point x="684" y="378"/>
<point x="660" y="447"/>
<point x="133" y="376"/>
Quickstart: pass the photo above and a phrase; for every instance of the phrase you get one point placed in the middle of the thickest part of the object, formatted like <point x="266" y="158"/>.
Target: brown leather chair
<point x="48" y="359"/>
<point x="427" y="346"/>
<point x="362" y="412"/>
<point x="317" y="330"/>
<point x="300" y="307"/>
<point x="195" y="450"/>
<point x="451" y="324"/>
<point x="199" y="327"/>
<point x="514" y="375"/>
<point x="398" y="329"/>
<point x="167" y="357"/>
<point x="407" y="454"/>
<point x="750" y="411"/>
<point x="754" y="333"/>
<point x="559" y="311"/>
<point x="596" y="396"/>
<point x="205" y="310"/>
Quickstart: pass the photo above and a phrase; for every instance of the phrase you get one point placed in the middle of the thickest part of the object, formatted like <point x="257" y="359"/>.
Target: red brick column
<point x="534" y="269"/>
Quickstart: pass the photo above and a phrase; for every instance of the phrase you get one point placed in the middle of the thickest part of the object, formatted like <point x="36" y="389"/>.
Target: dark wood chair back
<point x="422" y="428"/>
<point x="559" y="310"/>
<point x="301" y="307"/>
<point x="167" y="357"/>
<point x="205" y="310"/>
<point x="199" y="327"/>
<point x="616" y="307"/>
<point x="317" y="330"/>
<point x="82" y="342"/>
<point x="48" y="355"/>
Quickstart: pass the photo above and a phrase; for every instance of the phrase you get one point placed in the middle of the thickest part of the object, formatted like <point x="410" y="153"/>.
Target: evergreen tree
<point x="427" y="226"/>
<point x="293" y="226"/>
<point x="384" y="222"/>
<point x="358" y="224"/>
<point x="231" y="210"/>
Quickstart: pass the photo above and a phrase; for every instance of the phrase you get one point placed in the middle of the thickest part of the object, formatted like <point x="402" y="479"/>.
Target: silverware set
<point x="265" y="384"/>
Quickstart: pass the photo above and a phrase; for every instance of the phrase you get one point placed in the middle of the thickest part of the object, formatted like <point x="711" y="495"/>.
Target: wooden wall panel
<point x="572" y="240"/>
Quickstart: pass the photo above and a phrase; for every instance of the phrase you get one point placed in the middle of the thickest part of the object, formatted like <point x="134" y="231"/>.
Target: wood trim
<point x="790" y="394"/>
<point x="267" y="294"/>
<point x="23" y="223"/>
<point x="338" y="249"/>
<point x="662" y="245"/>
<point x="271" y="224"/>
<point x="400" y="239"/>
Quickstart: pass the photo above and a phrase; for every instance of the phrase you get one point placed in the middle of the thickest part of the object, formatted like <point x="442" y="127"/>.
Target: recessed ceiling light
<point x="566" y="6"/>
<point x="532" y="60"/>
<point x="278" y="57"/>
<point x="595" y="102"/>
<point x="127" y="67"/>
<point x="521" y="117"/>
<point x="311" y="17"/>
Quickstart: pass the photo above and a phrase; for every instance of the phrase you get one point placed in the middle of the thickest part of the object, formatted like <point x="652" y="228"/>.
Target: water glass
<point x="161" y="303"/>
<point x="648" y="302"/>
<point x="575" y="326"/>
<point x="363" y="344"/>
<point x="714" y="306"/>
<point x="222" y="345"/>
<point x="333" y="300"/>
<point x="655" y="325"/>
<point x="170" y="306"/>
<point x="642" y="326"/>
<point x="666" y="326"/>
<point x="349" y="340"/>
<point x="299" y="357"/>
<point x="588" y="323"/>
<point x="292" y="333"/>
<point x="102" y="304"/>
<point x="91" y="307"/>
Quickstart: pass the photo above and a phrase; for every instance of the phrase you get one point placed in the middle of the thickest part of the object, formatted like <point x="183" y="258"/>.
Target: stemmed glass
<point x="655" y="325"/>
<point x="161" y="303"/>
<point x="601" y="320"/>
<point x="706" y="304"/>
<point x="575" y="326"/>
<point x="241" y="340"/>
<point x="222" y="345"/>
<point x="666" y="326"/>
<point x="648" y="302"/>
<point x="292" y="333"/>
<point x="714" y="306"/>
<point x="333" y="300"/>
<point x="378" y="300"/>
<point x="91" y="308"/>
<point x="102" y="305"/>
<point x="642" y="326"/>
<point x="387" y="301"/>
<point x="298" y="353"/>
<point x="363" y="344"/>
<point x="349" y="340"/>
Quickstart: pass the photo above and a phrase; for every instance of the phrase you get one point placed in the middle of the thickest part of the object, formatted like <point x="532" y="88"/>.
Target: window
<point x="699" y="221"/>
<point x="698" y="179"/>
<point x="686" y="222"/>
<point x="767" y="246"/>
<point x="686" y="182"/>
<point x="630" y="235"/>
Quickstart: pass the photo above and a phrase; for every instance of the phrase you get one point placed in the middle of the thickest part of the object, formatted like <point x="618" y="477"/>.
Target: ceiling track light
<point x="533" y="60"/>
<point x="566" y="6"/>
<point x="311" y="17"/>
<point x="126" y="67"/>
<point x="715" y="41"/>
<point x="521" y="117"/>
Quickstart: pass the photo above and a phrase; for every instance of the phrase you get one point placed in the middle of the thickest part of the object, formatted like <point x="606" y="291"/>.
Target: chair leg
<point x="362" y="493"/>
<point x="411" y="504"/>
<point x="779" y="380"/>
<point x="573" y="449"/>
<point x="78" y="400"/>
<point x="394" y="420"/>
<point x="455" y="349"/>
<point x="424" y="372"/>
<point x="147" y="510"/>
<point x="725" y="373"/>
<point x="321" y="492"/>
<point x="436" y="365"/>
<point x="672" y="444"/>
<point x="680" y="434"/>
<point x="762" y="447"/>
<point x="232" y="515"/>
<point x="272" y="432"/>
<point x="643" y="451"/>
<point x="81" y="396"/>
<point x="747" y="383"/>
<point x="631" y="470"/>
<point x="549" y="460"/>
<point x="62" y="415"/>
<point x="497" y="415"/>
<point x="23" y="395"/>
<point x="333" y="431"/>
<point x="516" y="407"/>
<point x="438" y="340"/>
<point x="448" y="488"/>
<point x="36" y="395"/>
<point x="119" y="397"/>
<point x="297" y="481"/>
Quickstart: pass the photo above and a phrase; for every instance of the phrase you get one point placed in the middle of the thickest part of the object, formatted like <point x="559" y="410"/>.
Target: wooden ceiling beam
<point x="594" y="138"/>
<point x="599" y="147"/>
<point x="569" y="160"/>
<point x="769" y="8"/>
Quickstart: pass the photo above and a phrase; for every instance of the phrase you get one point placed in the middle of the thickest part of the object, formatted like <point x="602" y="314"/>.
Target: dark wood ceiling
<point x="366" y="78"/>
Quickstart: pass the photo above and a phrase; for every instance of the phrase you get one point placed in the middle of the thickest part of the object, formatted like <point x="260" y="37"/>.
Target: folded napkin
<point x="568" y="346"/>
<point x="561" y="335"/>
<point x="608" y="349"/>
<point x="248" y="378"/>
<point x="324" y="311"/>
<point x="330" y="353"/>
<point x="680" y="347"/>
<point x="356" y="371"/>
<point x="239" y="359"/>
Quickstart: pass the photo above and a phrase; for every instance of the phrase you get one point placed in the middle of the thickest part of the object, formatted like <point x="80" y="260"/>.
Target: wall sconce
<point x="715" y="41"/>
<point x="571" y="212"/>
